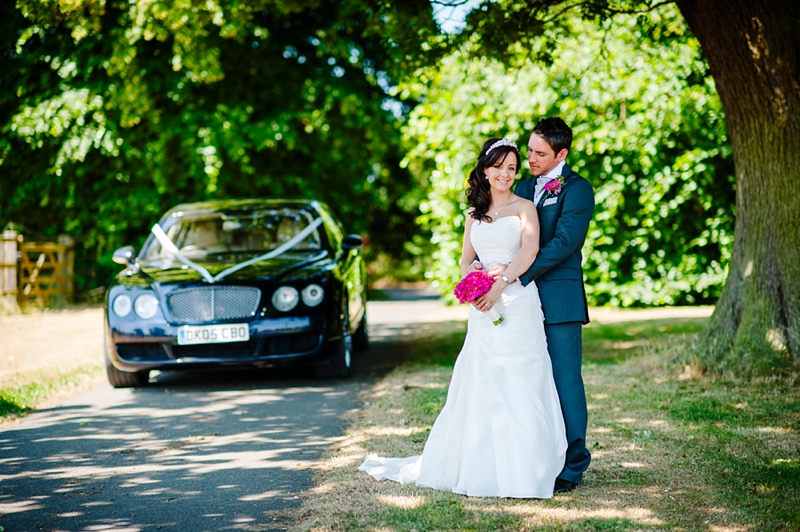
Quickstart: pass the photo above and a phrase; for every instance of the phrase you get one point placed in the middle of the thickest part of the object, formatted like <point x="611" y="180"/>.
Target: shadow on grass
<point x="444" y="513"/>
<point x="617" y="342"/>
<point x="440" y="343"/>
<point x="748" y="434"/>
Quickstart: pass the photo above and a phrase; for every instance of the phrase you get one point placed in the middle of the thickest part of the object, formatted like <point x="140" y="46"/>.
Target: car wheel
<point x="338" y="367"/>
<point x="361" y="337"/>
<point x="125" y="379"/>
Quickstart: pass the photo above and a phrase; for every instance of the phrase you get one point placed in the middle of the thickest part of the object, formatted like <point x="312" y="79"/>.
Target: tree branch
<point x="454" y="3"/>
<point x="560" y="13"/>
<point x="611" y="11"/>
<point x="640" y="11"/>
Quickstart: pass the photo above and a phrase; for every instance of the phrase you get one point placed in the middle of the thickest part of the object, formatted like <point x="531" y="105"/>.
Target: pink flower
<point x="473" y="286"/>
<point x="553" y="187"/>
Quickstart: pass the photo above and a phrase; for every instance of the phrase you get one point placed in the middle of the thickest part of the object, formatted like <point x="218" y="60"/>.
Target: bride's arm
<point x="467" y="251"/>
<point x="530" y="242"/>
<point x="522" y="260"/>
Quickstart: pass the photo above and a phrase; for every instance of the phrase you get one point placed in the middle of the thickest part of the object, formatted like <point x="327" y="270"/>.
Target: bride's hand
<point x="475" y="266"/>
<point x="487" y="300"/>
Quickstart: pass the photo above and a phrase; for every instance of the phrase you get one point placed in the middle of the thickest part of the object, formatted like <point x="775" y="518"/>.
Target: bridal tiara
<point x="501" y="142"/>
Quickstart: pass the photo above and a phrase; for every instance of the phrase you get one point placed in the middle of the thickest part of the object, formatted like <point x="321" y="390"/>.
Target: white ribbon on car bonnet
<point x="172" y="248"/>
<point x="280" y="250"/>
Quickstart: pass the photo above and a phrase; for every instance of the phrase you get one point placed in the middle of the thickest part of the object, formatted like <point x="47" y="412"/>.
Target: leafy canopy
<point x="113" y="111"/>
<point x="649" y="136"/>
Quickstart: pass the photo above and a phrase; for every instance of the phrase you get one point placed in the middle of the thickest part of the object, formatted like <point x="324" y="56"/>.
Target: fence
<point x="9" y="268"/>
<point x="36" y="273"/>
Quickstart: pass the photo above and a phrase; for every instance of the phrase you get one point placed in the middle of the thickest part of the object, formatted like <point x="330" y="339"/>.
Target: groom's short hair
<point x="555" y="132"/>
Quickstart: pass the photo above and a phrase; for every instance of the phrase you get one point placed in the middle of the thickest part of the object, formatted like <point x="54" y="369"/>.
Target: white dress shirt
<point x="541" y="181"/>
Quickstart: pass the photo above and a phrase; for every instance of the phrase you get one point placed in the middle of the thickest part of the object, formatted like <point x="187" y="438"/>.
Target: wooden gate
<point x="44" y="271"/>
<point x="9" y="267"/>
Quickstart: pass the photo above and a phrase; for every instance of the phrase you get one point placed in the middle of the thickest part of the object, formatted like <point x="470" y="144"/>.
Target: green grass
<point x="615" y="343"/>
<point x="25" y="391"/>
<point x="672" y="449"/>
<point x="736" y="429"/>
<point x="375" y="294"/>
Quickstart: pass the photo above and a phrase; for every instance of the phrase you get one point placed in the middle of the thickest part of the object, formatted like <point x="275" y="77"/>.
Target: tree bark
<point x="752" y="50"/>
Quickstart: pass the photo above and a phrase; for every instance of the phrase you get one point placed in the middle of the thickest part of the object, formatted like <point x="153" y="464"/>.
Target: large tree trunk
<point x="753" y="50"/>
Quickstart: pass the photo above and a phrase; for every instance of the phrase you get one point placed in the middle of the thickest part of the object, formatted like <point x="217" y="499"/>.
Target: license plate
<point x="213" y="334"/>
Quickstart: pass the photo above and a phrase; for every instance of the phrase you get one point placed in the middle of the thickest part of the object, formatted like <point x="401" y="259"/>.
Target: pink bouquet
<point x="473" y="286"/>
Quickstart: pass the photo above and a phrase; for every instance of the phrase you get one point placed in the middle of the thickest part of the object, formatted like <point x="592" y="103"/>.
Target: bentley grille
<point x="200" y="305"/>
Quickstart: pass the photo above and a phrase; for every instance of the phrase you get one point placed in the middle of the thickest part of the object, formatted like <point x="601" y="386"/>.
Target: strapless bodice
<point x="496" y="242"/>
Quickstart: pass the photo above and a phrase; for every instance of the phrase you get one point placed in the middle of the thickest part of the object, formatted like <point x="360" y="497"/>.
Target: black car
<point x="238" y="283"/>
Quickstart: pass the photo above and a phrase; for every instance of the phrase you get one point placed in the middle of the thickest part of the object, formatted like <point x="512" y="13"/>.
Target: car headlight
<point x="313" y="295"/>
<point x="121" y="305"/>
<point x="145" y="306"/>
<point x="285" y="298"/>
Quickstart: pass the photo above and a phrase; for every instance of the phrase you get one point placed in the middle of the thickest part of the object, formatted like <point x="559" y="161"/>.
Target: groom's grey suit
<point x="564" y="220"/>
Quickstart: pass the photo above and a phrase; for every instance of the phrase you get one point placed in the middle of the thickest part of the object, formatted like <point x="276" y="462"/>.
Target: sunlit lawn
<point x="672" y="450"/>
<point x="25" y="391"/>
<point x="46" y="355"/>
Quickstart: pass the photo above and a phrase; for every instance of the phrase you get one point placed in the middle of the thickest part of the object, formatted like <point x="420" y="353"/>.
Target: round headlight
<point x="145" y="306"/>
<point x="285" y="298"/>
<point x="313" y="295"/>
<point x="121" y="306"/>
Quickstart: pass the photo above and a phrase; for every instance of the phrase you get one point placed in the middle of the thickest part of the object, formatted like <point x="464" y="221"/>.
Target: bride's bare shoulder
<point x="524" y="205"/>
<point x="468" y="219"/>
<point x="524" y="201"/>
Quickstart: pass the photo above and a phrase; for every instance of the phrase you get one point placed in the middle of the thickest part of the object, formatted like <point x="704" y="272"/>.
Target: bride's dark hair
<point x="478" y="190"/>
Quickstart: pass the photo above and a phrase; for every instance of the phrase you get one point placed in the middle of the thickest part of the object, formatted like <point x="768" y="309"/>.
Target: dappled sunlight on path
<point x="209" y="456"/>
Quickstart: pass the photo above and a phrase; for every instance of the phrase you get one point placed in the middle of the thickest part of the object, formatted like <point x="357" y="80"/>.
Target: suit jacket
<point x="557" y="269"/>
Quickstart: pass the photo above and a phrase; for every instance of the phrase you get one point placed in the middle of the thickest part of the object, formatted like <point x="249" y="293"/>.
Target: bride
<point x="501" y="432"/>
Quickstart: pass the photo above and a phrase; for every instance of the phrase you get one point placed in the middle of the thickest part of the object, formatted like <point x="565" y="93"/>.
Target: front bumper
<point x="273" y="342"/>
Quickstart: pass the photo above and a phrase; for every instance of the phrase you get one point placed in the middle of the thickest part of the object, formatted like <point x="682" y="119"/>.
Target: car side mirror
<point x="125" y="255"/>
<point x="352" y="242"/>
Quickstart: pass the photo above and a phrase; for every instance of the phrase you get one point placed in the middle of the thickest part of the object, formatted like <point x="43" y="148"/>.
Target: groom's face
<point x="541" y="156"/>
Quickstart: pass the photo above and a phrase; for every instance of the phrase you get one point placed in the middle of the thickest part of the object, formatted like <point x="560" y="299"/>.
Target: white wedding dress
<point x="501" y="432"/>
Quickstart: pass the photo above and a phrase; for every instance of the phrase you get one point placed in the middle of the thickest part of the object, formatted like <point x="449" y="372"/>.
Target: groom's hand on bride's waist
<point x="497" y="271"/>
<point x="494" y="271"/>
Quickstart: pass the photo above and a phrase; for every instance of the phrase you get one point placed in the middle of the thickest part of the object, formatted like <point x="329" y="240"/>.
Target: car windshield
<point x="235" y="236"/>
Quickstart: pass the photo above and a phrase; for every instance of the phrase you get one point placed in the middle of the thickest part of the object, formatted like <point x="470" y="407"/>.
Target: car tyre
<point x="338" y="367"/>
<point x="361" y="337"/>
<point x="125" y="379"/>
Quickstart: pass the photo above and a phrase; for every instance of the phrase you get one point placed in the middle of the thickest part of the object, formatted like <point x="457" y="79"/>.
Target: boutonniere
<point x="553" y="187"/>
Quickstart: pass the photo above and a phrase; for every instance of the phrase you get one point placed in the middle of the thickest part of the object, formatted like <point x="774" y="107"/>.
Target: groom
<point x="565" y="203"/>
